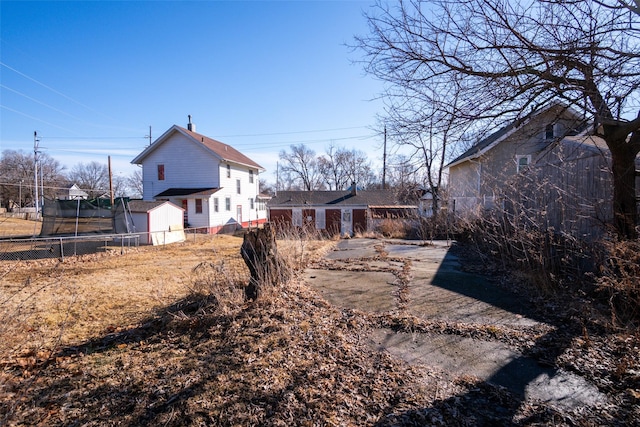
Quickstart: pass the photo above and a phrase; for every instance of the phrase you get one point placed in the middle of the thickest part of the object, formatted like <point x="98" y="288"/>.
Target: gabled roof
<point x="486" y="144"/>
<point x="147" y="205"/>
<point x="337" y="198"/>
<point x="219" y="149"/>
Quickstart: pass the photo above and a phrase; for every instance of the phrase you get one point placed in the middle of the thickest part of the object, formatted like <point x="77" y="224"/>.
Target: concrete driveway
<point x="426" y="281"/>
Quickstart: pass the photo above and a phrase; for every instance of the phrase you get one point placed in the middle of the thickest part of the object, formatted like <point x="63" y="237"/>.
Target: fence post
<point x="61" y="250"/>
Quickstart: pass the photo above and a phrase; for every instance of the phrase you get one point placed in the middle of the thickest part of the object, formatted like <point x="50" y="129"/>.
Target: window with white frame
<point x="216" y="207"/>
<point x="522" y="162"/>
<point x="228" y="171"/>
<point x="238" y="186"/>
<point x="227" y="203"/>
<point x="250" y="176"/>
<point x="251" y="205"/>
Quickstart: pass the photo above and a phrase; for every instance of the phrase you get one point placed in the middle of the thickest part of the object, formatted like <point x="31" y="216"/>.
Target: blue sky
<point x="91" y="77"/>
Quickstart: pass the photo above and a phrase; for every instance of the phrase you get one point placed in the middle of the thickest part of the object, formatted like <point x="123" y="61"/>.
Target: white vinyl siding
<point x="190" y="166"/>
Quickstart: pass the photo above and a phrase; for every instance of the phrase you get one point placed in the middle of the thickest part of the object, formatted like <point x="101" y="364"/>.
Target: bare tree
<point x="92" y="177"/>
<point x="506" y="59"/>
<point x="302" y="166"/>
<point x="134" y="184"/>
<point x="341" y="167"/>
<point x="266" y="187"/>
<point x="18" y="180"/>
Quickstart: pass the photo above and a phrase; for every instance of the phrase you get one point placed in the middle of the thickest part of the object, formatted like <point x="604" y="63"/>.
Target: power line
<point x="292" y="133"/>
<point x="307" y="141"/>
<point x="34" y="118"/>
<point x="53" y="90"/>
<point x="39" y="102"/>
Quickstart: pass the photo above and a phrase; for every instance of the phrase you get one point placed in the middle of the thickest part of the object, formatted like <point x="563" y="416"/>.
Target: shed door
<point x="333" y="219"/>
<point x="296" y="217"/>
<point x="320" y="219"/>
<point x="347" y="222"/>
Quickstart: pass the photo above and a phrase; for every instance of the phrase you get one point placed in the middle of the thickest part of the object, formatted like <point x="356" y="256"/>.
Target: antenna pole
<point x="384" y="160"/>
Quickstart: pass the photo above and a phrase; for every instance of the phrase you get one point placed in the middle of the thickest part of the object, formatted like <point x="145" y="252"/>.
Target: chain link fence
<point x="61" y="247"/>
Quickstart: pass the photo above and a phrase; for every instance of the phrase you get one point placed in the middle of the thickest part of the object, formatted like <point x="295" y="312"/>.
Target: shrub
<point x="620" y="278"/>
<point x="393" y="228"/>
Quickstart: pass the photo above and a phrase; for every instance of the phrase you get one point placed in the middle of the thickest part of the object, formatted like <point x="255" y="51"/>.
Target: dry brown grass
<point x="141" y="339"/>
<point x="163" y="336"/>
<point x="45" y="303"/>
<point x="19" y="227"/>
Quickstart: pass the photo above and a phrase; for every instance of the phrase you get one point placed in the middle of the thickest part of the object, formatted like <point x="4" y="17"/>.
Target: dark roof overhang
<point x="172" y="192"/>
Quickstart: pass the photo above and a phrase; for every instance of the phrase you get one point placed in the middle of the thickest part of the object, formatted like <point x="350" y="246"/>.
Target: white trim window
<point x="522" y="162"/>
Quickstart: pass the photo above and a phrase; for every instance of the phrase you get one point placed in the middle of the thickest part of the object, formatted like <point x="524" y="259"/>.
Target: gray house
<point x="546" y="170"/>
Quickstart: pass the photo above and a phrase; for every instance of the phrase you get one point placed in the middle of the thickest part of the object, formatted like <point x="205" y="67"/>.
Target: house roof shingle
<point x="222" y="150"/>
<point x="145" y="205"/>
<point x="225" y="152"/>
<point x="369" y="198"/>
<point x="487" y="143"/>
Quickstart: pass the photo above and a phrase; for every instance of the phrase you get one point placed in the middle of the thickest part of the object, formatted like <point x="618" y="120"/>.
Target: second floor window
<point x="250" y="176"/>
<point x="228" y="171"/>
<point x="238" y="186"/>
<point x="522" y="162"/>
<point x="160" y="172"/>
<point x="548" y="131"/>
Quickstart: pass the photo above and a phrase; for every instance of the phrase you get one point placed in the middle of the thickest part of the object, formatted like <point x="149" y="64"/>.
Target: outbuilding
<point x="157" y="222"/>
<point x="339" y="212"/>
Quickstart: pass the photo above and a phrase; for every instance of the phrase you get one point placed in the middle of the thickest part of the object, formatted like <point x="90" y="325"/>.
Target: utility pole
<point x="110" y="181"/>
<point x="35" y="161"/>
<point x="384" y="160"/>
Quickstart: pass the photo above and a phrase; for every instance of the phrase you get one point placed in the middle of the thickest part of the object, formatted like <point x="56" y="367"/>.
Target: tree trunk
<point x="259" y="251"/>
<point x="625" y="213"/>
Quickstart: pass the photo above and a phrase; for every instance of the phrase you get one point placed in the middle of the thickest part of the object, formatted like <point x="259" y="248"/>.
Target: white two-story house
<point x="215" y="184"/>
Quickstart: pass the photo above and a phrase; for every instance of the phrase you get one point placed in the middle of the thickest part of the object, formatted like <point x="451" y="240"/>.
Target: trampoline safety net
<point x="82" y="217"/>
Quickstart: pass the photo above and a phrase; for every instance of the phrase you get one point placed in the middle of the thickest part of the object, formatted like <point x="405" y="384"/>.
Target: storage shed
<point x="338" y="212"/>
<point x="157" y="222"/>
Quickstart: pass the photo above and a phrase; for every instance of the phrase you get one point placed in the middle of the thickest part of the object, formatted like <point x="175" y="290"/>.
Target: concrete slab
<point x="368" y="274"/>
